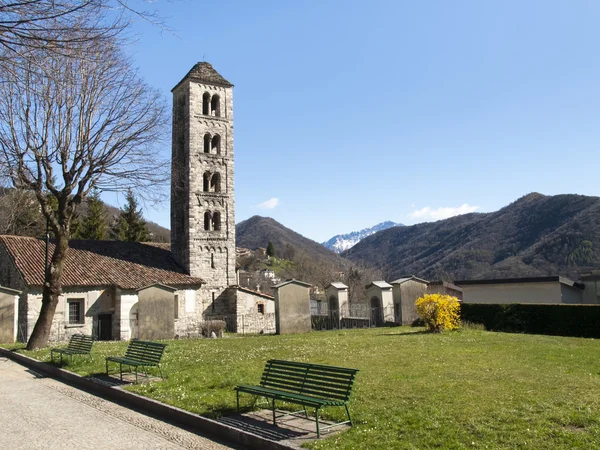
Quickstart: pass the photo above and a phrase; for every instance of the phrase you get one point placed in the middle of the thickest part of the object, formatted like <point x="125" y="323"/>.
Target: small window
<point x="75" y="311"/>
<point x="212" y="260"/>
<point x="261" y="308"/>
<point x="215" y="145"/>
<point x="207" y="143"/>
<point x="206" y="182"/>
<point x="206" y="103"/>
<point x="215" y="106"/>
<point x="176" y="305"/>
<point x="216" y="221"/>
<point x="215" y="183"/>
<point x="207" y="220"/>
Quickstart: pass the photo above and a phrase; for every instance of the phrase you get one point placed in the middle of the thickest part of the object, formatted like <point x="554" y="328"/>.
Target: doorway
<point x="105" y="327"/>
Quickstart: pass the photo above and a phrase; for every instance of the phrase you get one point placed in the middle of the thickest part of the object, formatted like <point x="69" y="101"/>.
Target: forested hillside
<point x="535" y="235"/>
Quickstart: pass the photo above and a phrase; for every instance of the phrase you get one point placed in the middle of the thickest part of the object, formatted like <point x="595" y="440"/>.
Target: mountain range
<point x="342" y="242"/>
<point x="534" y="236"/>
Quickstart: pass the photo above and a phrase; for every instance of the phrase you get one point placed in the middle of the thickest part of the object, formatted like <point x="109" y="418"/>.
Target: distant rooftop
<point x="205" y="73"/>
<point x="562" y="280"/>
<point x="338" y="285"/>
<point x="379" y="284"/>
<point x="412" y="277"/>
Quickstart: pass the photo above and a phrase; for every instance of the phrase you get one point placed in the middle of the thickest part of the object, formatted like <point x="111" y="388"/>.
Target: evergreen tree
<point x="270" y="249"/>
<point x="94" y="225"/>
<point x="130" y="225"/>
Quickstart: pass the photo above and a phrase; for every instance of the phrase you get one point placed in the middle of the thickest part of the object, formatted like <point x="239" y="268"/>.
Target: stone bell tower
<point x="202" y="190"/>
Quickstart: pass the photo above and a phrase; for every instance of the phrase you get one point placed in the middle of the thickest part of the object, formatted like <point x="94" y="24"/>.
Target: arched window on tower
<point x="207" y="220"/>
<point x="216" y="221"/>
<point x="207" y="143"/>
<point x="206" y="182"/>
<point x="216" y="145"/>
<point x="215" y="106"/>
<point x="206" y="104"/>
<point x="215" y="183"/>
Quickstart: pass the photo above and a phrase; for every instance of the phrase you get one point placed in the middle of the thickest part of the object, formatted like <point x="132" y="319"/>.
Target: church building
<point x="125" y="290"/>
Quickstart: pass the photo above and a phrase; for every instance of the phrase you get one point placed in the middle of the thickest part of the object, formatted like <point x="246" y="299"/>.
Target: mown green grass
<point x="464" y="389"/>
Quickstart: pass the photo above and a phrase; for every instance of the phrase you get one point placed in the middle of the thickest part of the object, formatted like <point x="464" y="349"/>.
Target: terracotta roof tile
<point x="128" y="265"/>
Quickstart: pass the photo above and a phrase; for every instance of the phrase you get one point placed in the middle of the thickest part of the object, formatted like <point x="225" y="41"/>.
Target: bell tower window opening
<point x="207" y="220"/>
<point x="206" y="182"/>
<point x="207" y="143"/>
<point x="215" y="183"/>
<point x="215" y="106"/>
<point x="206" y="104"/>
<point x="212" y="260"/>
<point x="216" y="221"/>
<point x="216" y="145"/>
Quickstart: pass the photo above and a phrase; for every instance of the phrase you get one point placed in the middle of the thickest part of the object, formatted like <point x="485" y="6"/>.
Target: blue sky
<point x="351" y="113"/>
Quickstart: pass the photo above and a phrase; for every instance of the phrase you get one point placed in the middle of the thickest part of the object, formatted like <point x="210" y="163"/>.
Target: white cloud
<point x="269" y="204"/>
<point x="442" y="213"/>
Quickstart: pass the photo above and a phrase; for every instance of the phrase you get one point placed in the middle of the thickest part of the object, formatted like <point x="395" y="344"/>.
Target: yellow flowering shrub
<point x="439" y="312"/>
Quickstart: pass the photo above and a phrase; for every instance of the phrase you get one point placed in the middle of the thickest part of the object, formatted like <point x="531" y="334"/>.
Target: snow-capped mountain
<point x="343" y="242"/>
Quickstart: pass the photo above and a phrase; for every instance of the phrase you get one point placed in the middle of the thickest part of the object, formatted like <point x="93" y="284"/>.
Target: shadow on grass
<point x="406" y="333"/>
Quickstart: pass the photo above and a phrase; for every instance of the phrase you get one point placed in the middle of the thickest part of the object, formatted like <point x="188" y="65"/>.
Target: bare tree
<point x="72" y="121"/>
<point x="20" y="214"/>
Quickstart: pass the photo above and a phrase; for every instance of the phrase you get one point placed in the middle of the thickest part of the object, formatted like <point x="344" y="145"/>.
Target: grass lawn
<point x="463" y="389"/>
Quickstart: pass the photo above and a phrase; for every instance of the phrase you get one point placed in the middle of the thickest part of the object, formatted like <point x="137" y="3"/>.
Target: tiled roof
<point x="379" y="284"/>
<point x="205" y="73"/>
<point x="412" y="277"/>
<point x="128" y="265"/>
<point x="250" y="291"/>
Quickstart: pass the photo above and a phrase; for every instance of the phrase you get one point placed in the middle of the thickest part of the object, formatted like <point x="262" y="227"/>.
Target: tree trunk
<point x="52" y="290"/>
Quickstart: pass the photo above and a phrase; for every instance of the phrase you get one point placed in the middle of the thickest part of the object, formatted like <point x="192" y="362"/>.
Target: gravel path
<point x="42" y="413"/>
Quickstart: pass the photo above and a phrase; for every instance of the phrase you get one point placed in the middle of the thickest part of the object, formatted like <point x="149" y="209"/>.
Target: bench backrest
<point x="80" y="343"/>
<point x="316" y="380"/>
<point x="145" y="351"/>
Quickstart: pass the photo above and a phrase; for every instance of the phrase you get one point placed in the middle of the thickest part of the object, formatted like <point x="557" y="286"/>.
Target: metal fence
<point x="358" y="315"/>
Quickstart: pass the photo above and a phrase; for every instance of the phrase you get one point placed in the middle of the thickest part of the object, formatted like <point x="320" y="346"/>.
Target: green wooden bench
<point x="312" y="385"/>
<point x="79" y="344"/>
<point x="142" y="354"/>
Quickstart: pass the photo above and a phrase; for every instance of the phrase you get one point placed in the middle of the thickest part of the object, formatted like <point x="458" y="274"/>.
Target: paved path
<point x="42" y="413"/>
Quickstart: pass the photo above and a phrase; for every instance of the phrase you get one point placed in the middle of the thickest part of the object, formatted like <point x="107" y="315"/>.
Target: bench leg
<point x="274" y="420"/>
<point x="305" y="412"/>
<point x="349" y="418"/>
<point x="106" y="367"/>
<point x="237" y="400"/>
<point x="317" y="417"/>
<point x="121" y="370"/>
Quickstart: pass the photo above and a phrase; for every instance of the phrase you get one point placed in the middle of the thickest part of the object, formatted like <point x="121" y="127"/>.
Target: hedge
<point x="558" y="320"/>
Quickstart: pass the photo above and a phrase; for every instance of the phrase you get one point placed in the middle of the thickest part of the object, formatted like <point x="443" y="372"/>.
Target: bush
<point x="209" y="326"/>
<point x="439" y="312"/>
